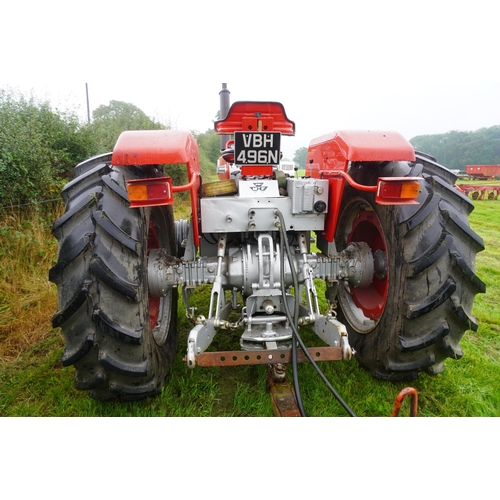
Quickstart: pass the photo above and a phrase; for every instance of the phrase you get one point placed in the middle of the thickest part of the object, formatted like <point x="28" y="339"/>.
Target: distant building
<point x="287" y="166"/>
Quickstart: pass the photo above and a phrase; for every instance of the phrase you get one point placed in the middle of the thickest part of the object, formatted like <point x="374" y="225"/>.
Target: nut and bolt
<point x="268" y="307"/>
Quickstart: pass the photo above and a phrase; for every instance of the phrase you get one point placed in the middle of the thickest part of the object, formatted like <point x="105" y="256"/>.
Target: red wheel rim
<point x="371" y="300"/>
<point x="153" y="302"/>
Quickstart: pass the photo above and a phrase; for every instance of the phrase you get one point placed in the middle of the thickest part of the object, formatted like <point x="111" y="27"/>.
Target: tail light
<point x="150" y="192"/>
<point x="397" y="190"/>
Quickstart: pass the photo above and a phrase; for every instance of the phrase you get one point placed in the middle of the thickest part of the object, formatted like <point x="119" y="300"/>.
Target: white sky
<point x="416" y="67"/>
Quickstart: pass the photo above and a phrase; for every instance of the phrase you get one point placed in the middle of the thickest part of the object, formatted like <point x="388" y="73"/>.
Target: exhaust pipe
<point x="224" y="110"/>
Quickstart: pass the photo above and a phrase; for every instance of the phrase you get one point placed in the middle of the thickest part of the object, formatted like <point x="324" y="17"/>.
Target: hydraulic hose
<point x="295" y="319"/>
<point x="294" y="322"/>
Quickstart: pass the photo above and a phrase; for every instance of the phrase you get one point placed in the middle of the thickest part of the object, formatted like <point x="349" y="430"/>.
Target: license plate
<point x="257" y="148"/>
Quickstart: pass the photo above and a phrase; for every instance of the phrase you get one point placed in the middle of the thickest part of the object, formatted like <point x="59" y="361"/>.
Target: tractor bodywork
<point x="382" y="226"/>
<point x="242" y="254"/>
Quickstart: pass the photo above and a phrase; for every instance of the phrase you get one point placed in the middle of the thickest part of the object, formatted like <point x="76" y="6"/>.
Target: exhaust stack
<point x="224" y="110"/>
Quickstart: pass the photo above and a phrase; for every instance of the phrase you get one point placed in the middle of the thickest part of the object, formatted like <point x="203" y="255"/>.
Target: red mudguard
<point x="331" y="153"/>
<point x="163" y="147"/>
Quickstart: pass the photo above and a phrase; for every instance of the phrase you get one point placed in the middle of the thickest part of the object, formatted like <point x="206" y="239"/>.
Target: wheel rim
<point x="364" y="307"/>
<point x="153" y="302"/>
<point x="159" y="307"/>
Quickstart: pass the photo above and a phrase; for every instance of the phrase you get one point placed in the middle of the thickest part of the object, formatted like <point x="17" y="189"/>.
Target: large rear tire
<point x="121" y="340"/>
<point x="413" y="315"/>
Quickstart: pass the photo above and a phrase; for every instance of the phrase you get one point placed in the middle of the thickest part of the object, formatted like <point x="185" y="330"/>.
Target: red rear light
<point x="150" y="192"/>
<point x="397" y="190"/>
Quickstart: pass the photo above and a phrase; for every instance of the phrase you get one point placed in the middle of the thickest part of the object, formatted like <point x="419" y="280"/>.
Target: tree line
<point x="40" y="145"/>
<point x="455" y="150"/>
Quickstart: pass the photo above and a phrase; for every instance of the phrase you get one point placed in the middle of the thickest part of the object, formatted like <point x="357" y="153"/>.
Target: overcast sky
<point x="416" y="67"/>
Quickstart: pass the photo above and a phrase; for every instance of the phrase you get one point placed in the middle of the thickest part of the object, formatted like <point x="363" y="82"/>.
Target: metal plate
<point x="266" y="357"/>
<point x="256" y="213"/>
<point x="283" y="398"/>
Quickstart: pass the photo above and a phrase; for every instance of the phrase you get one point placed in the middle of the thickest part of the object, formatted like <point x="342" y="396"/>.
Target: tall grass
<point x="34" y="383"/>
<point x="27" y="299"/>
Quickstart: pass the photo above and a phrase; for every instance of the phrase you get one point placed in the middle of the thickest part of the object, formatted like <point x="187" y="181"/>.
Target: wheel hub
<point x="364" y="300"/>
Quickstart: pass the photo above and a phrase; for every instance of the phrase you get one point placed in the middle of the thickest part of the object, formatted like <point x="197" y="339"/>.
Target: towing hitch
<point x="266" y="357"/>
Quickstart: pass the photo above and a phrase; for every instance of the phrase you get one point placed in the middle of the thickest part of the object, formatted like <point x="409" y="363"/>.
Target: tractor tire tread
<point x="433" y="254"/>
<point x="102" y="287"/>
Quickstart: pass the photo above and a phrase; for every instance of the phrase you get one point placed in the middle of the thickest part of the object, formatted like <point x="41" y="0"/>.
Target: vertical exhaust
<point x="224" y="110"/>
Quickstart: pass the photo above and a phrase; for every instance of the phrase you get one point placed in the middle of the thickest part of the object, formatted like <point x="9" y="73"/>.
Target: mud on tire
<point x="413" y="316"/>
<point x="120" y="340"/>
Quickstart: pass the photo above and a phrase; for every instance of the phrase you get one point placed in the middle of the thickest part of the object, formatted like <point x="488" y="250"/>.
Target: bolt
<point x="268" y="307"/>
<point x="229" y="218"/>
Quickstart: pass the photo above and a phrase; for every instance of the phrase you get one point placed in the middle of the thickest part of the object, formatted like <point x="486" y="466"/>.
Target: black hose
<point x="290" y="319"/>
<point x="294" y="323"/>
<point x="322" y="375"/>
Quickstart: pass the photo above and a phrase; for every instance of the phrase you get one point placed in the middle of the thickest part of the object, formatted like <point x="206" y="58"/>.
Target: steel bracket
<point x="266" y="357"/>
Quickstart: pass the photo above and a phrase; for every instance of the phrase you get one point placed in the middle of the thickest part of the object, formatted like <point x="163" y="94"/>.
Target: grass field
<point x="34" y="383"/>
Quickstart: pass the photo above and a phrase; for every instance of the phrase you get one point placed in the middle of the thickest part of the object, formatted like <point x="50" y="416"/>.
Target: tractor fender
<point x="333" y="152"/>
<point x="163" y="147"/>
<point x="156" y="147"/>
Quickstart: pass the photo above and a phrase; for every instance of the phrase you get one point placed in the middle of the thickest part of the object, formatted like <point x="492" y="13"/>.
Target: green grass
<point x="34" y="383"/>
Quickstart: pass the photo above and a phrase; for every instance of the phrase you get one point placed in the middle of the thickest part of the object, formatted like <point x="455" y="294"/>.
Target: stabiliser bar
<point x="266" y="357"/>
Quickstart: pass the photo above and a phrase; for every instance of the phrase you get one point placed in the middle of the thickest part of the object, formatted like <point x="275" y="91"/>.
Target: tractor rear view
<point x="393" y="247"/>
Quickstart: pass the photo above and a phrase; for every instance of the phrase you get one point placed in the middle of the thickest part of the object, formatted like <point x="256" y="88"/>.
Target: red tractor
<point x="392" y="244"/>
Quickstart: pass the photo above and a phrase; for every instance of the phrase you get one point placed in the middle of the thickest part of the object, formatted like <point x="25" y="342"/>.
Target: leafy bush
<point x="117" y="117"/>
<point x="40" y="146"/>
<point x="37" y="148"/>
<point x="209" y="150"/>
